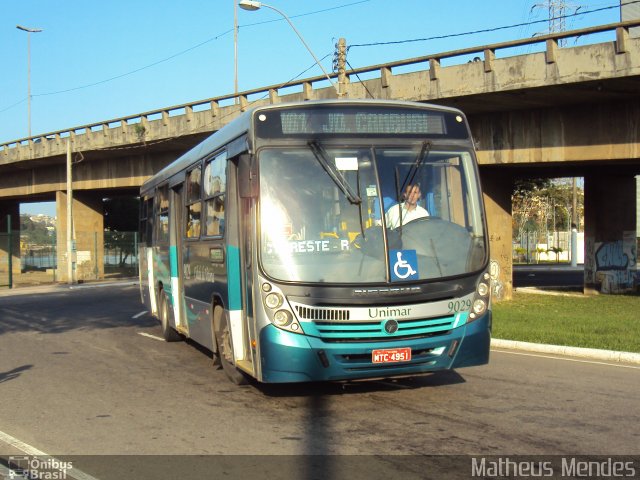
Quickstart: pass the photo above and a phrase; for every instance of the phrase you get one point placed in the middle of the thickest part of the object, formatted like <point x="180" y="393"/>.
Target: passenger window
<point x="162" y="232"/>
<point x="215" y="180"/>
<point x="194" y="205"/>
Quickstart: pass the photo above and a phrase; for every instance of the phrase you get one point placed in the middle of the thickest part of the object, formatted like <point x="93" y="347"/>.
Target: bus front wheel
<point x="225" y="348"/>
<point x="166" y="313"/>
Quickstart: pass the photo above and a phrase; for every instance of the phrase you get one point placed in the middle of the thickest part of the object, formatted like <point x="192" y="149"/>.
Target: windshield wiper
<point x="334" y="173"/>
<point x="415" y="168"/>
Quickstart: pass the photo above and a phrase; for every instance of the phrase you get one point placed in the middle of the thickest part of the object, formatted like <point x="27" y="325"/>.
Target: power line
<point x="486" y="30"/>
<point x="164" y="140"/>
<point x="209" y="40"/>
<point x="14" y="105"/>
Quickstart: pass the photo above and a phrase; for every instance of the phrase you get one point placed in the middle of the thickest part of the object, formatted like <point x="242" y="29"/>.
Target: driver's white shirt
<point x="392" y="216"/>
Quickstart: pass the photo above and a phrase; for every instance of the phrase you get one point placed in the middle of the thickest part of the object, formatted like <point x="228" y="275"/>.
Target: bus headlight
<point x="282" y="318"/>
<point x="273" y="300"/>
<point x="483" y="289"/>
<point x="277" y="308"/>
<point x="482" y="298"/>
<point x="479" y="306"/>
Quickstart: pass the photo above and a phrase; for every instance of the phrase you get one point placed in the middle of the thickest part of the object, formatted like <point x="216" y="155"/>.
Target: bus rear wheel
<point x="225" y="348"/>
<point x="166" y="314"/>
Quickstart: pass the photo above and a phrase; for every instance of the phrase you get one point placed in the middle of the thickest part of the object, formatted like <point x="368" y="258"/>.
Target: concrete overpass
<point x="560" y="111"/>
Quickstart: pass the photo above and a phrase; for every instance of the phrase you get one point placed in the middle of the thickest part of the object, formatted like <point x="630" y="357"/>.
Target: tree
<point x="529" y="206"/>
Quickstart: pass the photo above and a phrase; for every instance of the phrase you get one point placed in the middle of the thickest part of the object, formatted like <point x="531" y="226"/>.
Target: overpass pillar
<point x="9" y="208"/>
<point x="610" y="233"/>
<point x="88" y="235"/>
<point x="498" y="188"/>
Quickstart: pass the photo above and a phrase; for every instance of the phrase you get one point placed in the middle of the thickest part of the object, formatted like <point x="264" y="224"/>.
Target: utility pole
<point x="574" y="224"/>
<point x="70" y="256"/>
<point x="235" y="48"/>
<point x="340" y="66"/>
<point x="29" y="32"/>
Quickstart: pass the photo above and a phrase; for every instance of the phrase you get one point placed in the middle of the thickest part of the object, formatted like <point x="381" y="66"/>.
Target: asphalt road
<point x="78" y="377"/>
<point x="563" y="276"/>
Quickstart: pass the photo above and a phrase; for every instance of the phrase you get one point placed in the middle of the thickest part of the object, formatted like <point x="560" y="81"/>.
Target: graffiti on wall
<point x="613" y="264"/>
<point x="497" y="288"/>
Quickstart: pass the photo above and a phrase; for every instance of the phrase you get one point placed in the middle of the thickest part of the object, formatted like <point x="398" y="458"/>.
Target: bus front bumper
<point x="288" y="357"/>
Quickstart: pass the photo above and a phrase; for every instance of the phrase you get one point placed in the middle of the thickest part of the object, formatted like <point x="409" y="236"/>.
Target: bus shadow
<point x="13" y="374"/>
<point x="59" y="312"/>
<point x="314" y="389"/>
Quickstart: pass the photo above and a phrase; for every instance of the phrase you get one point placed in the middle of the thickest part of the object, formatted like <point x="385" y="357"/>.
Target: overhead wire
<point x="179" y="134"/>
<point x="485" y="30"/>
<point x="394" y="42"/>
<point x="187" y="50"/>
<point x="182" y="52"/>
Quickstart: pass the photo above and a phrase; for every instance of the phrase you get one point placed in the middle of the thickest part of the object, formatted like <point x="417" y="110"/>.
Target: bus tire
<point x="225" y="349"/>
<point x="166" y="314"/>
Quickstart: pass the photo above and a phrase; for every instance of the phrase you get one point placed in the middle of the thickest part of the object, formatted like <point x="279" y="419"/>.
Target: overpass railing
<point x="242" y="99"/>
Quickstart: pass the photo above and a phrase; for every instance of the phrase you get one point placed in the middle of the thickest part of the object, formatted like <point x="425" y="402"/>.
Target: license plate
<point x="391" y="355"/>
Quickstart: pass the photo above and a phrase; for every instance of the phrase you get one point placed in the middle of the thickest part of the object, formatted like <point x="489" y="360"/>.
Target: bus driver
<point x="407" y="211"/>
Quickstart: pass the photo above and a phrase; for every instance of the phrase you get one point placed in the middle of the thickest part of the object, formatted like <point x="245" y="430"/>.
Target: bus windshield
<point x="405" y="214"/>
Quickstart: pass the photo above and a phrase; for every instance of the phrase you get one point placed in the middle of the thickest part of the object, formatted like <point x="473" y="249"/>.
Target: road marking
<point x="23" y="447"/>
<point x="566" y="359"/>
<point x="33" y="451"/>
<point x="103" y="285"/>
<point x="139" y="314"/>
<point x="144" y="334"/>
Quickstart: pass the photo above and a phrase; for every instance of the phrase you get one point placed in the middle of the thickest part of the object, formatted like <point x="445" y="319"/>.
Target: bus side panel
<point x="147" y="282"/>
<point x="204" y="280"/>
<point x="235" y="301"/>
<point x="161" y="268"/>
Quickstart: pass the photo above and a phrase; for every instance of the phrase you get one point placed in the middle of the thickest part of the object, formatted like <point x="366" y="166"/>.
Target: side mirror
<point x="247" y="176"/>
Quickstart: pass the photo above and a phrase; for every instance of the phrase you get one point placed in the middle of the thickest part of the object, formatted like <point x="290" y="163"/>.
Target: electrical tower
<point x="557" y="13"/>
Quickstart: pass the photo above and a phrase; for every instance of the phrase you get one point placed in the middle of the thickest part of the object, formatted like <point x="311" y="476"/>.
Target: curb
<point x="591" y="353"/>
<point x="64" y="287"/>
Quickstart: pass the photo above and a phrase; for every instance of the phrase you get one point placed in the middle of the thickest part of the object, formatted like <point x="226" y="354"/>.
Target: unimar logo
<point x="40" y="468"/>
<point x="389" y="312"/>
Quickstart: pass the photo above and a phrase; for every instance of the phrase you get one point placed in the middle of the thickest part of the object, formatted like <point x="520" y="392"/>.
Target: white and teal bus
<point x="271" y="243"/>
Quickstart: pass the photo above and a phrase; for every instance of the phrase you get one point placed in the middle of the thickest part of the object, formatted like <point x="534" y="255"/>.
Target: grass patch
<point x="610" y="322"/>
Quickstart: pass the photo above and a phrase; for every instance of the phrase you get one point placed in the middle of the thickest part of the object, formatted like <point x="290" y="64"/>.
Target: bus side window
<point x="194" y="205"/>
<point x="215" y="182"/>
<point x="146" y="219"/>
<point x="162" y="215"/>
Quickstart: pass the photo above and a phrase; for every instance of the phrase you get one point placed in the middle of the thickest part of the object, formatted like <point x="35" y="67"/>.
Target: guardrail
<point x="385" y="69"/>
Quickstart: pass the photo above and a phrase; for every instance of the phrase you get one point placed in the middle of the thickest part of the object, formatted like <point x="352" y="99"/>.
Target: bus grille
<point x="307" y="313"/>
<point x="374" y="331"/>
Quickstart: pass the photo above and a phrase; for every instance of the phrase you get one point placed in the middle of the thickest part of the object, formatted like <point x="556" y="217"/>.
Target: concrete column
<point x="497" y="185"/>
<point x="9" y="208"/>
<point x="610" y="233"/>
<point x="88" y="231"/>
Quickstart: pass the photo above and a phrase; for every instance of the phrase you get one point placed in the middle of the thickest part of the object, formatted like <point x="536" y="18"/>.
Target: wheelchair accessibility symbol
<point x="404" y="265"/>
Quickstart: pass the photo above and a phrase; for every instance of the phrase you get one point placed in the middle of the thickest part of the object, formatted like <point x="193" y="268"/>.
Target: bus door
<point x="175" y="258"/>
<point x="240" y="270"/>
<point x="247" y="238"/>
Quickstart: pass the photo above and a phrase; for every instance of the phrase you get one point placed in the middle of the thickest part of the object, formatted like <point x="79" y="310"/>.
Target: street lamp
<point x="29" y="32"/>
<point x="252" y="5"/>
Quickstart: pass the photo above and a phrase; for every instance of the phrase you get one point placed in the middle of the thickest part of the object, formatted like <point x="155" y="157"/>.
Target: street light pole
<point x="235" y="48"/>
<point x="29" y="32"/>
<point x="252" y="5"/>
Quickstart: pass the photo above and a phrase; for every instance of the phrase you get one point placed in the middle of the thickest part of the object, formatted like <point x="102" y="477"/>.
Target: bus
<point x="271" y="244"/>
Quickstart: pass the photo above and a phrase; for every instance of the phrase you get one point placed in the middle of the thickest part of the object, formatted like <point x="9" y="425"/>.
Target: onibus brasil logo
<point x="37" y="468"/>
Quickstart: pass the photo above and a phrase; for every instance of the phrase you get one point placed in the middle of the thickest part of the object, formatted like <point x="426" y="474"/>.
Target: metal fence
<point x="121" y="253"/>
<point x="535" y="246"/>
<point x="96" y="255"/>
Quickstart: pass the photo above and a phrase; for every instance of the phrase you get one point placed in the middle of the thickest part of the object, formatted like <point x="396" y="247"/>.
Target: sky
<point x="97" y="61"/>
